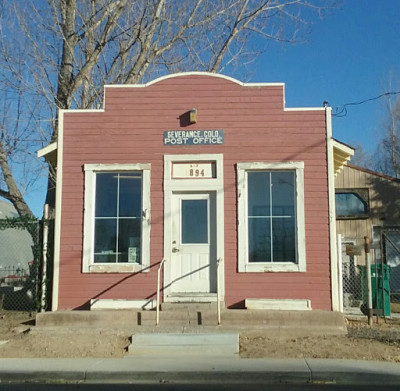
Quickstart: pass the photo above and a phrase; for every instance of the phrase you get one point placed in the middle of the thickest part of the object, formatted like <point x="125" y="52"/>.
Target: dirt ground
<point x="381" y="342"/>
<point x="19" y="338"/>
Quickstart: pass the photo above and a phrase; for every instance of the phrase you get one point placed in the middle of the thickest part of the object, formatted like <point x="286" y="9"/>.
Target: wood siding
<point x="384" y="202"/>
<point x="256" y="127"/>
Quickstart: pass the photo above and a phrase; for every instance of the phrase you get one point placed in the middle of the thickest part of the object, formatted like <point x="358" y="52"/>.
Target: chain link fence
<point x="20" y="259"/>
<point x="385" y="274"/>
<point x="390" y="239"/>
<point x="352" y="294"/>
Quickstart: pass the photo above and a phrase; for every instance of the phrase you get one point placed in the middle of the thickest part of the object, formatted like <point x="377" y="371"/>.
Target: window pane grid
<point x="272" y="239"/>
<point x="112" y="251"/>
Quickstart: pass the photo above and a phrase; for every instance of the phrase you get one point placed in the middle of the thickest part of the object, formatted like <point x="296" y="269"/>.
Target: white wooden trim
<point x="196" y="185"/>
<point x="332" y="213"/>
<point x="340" y="271"/>
<point x="57" y="219"/>
<point x="304" y="108"/>
<point x="80" y="111"/>
<point x="343" y="147"/>
<point x="47" y="149"/>
<point x="88" y="225"/>
<point x="100" y="167"/>
<point x="243" y="264"/>
<point x="121" y="304"/>
<point x="271" y="166"/>
<point x="123" y="267"/>
<point x="209" y="74"/>
<point x="278" y="304"/>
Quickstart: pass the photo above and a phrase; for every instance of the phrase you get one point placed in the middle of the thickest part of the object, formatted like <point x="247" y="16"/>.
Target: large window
<point x="271" y="217"/>
<point x="116" y="218"/>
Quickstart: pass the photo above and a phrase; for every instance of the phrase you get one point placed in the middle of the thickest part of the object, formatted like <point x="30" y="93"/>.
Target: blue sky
<point x="348" y="58"/>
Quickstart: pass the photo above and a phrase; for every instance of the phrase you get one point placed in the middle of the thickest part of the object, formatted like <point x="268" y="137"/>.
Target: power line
<point x="341" y="111"/>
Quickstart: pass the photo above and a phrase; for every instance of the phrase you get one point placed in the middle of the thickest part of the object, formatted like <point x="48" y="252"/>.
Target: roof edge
<point x="196" y="73"/>
<point x="372" y="172"/>
<point x="48" y="149"/>
<point x="343" y="147"/>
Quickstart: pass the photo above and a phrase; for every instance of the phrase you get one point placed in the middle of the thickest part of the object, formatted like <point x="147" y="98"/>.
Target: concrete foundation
<point x="198" y="319"/>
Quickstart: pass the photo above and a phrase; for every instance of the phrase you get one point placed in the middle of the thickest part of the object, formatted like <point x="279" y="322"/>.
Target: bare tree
<point x="388" y="153"/>
<point x="17" y="110"/>
<point x="362" y="157"/>
<point x="63" y="52"/>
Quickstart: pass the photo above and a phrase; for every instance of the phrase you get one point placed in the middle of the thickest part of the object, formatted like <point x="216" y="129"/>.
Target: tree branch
<point x="13" y="194"/>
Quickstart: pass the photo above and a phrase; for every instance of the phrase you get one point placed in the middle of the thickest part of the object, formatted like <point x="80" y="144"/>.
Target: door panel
<point x="193" y="243"/>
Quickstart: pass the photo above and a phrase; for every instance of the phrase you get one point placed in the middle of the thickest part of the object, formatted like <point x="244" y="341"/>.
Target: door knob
<point x="175" y="250"/>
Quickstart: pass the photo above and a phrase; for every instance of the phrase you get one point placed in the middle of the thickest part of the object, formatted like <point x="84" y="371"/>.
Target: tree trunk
<point x="13" y="194"/>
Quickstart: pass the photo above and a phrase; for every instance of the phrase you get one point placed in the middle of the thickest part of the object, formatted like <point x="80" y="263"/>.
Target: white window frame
<point x="243" y="262"/>
<point x="172" y="186"/>
<point x="88" y="266"/>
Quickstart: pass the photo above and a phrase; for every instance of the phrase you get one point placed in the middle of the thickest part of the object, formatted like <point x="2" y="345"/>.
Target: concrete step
<point x="184" y="314"/>
<point x="179" y="317"/>
<point x="146" y="318"/>
<point x="172" y="344"/>
<point x="179" y="307"/>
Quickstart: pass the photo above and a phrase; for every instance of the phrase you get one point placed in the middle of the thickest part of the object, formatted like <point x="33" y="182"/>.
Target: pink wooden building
<point x="234" y="191"/>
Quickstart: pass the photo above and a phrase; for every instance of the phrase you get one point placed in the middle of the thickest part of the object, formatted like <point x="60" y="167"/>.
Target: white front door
<point x="193" y="252"/>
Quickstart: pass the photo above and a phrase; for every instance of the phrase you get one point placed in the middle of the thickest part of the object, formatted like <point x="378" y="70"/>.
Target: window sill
<point x="120" y="268"/>
<point x="272" y="268"/>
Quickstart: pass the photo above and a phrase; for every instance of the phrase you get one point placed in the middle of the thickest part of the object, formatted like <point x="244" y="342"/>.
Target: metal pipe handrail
<point x="158" y="291"/>
<point x="219" y="260"/>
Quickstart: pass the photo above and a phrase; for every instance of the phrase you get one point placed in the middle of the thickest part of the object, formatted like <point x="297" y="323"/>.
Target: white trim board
<point x="121" y="304"/>
<point x="261" y="267"/>
<point x="47" y="149"/>
<point x="184" y="74"/>
<point x="193" y="185"/>
<point x="88" y="222"/>
<point x="278" y="304"/>
<point x="57" y="219"/>
<point x="332" y="213"/>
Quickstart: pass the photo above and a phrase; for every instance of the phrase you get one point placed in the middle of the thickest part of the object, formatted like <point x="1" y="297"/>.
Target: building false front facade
<point x="198" y="170"/>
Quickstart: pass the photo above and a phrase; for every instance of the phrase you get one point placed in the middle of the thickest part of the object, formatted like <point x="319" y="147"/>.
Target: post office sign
<point x="193" y="137"/>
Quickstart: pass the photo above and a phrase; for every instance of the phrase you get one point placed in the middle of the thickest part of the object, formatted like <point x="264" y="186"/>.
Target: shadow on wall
<point x="385" y="199"/>
<point x="103" y="294"/>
